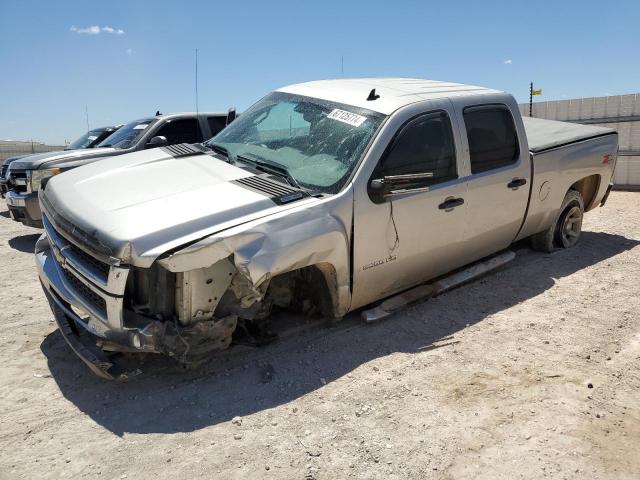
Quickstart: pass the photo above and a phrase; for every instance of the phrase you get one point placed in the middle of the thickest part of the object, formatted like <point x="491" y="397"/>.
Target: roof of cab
<point x="394" y="92"/>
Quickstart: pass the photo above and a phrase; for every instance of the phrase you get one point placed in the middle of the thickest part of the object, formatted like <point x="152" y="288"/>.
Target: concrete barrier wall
<point x="619" y="112"/>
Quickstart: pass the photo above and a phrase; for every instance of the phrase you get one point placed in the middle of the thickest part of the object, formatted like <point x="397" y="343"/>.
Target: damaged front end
<point x="195" y="299"/>
<point x="103" y="307"/>
<point x="174" y="313"/>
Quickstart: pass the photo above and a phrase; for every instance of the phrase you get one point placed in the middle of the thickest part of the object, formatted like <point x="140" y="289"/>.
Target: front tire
<point x="565" y="231"/>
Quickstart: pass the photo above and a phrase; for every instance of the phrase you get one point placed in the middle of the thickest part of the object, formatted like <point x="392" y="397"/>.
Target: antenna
<point x="86" y="113"/>
<point x="342" y="65"/>
<point x="197" y="108"/>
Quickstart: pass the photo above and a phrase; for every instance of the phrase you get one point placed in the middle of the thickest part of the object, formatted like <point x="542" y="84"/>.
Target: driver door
<point x="416" y="234"/>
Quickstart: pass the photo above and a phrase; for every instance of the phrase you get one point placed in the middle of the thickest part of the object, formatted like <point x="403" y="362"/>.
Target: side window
<point x="181" y="131"/>
<point x="216" y="124"/>
<point x="493" y="142"/>
<point x="424" y="145"/>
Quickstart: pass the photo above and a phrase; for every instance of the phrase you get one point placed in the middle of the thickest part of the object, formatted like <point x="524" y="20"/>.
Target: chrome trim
<point x="402" y="191"/>
<point x="110" y="288"/>
<point x="113" y="283"/>
<point x="15" y="199"/>
<point x="410" y="177"/>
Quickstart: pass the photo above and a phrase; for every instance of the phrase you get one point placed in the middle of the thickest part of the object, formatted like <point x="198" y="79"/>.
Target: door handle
<point x="451" y="203"/>
<point x="518" y="182"/>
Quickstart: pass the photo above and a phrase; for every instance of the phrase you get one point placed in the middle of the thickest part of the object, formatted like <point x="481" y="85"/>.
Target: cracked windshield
<point x="317" y="143"/>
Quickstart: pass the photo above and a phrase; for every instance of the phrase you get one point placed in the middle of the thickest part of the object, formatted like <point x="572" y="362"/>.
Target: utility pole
<point x="531" y="100"/>
<point x="86" y="112"/>
<point x="532" y="92"/>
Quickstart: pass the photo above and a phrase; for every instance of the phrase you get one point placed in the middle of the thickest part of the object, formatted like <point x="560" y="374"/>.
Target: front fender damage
<point x="265" y="249"/>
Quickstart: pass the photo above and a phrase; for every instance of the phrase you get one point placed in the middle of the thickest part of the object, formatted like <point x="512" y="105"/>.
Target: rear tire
<point x="565" y="231"/>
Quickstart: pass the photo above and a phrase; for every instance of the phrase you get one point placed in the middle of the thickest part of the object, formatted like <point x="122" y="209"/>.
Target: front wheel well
<point x="588" y="188"/>
<point x="311" y="290"/>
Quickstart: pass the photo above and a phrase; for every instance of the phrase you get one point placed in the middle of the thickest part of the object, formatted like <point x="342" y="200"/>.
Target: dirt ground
<point x="488" y="381"/>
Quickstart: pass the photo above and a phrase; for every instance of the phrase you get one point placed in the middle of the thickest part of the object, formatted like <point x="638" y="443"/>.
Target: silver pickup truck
<point x="27" y="175"/>
<point x="323" y="197"/>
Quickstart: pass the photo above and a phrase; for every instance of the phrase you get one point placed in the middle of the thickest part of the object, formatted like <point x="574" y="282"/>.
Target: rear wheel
<point x="570" y="227"/>
<point x="565" y="231"/>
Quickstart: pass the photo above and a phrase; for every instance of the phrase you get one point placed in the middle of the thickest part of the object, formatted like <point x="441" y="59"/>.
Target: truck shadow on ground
<point x="24" y="243"/>
<point x="169" y="399"/>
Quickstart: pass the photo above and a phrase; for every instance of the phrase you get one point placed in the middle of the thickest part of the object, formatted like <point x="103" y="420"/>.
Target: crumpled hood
<point x="52" y="159"/>
<point x="142" y="204"/>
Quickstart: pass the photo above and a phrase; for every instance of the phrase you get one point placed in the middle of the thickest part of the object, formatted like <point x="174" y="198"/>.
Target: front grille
<point x="88" y="295"/>
<point x="92" y="262"/>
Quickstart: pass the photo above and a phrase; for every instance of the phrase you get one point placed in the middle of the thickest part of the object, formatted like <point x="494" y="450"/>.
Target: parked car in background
<point x="92" y="138"/>
<point x="28" y="174"/>
<point x="323" y="197"/>
<point x="3" y="174"/>
<point x="89" y="140"/>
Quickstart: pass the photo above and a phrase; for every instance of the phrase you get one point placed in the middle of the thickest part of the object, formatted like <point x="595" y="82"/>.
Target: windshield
<point x="127" y="136"/>
<point x="88" y="140"/>
<point x="317" y="141"/>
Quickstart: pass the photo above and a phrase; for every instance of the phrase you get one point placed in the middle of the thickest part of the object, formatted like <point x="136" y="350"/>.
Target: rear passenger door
<point x="498" y="184"/>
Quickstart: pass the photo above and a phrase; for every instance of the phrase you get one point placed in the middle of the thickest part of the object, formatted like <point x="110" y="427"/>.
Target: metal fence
<point x="12" y="149"/>
<point x="619" y="112"/>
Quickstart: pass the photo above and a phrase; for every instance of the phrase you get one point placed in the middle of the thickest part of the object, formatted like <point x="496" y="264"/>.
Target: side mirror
<point x="390" y="185"/>
<point x="376" y="190"/>
<point x="158" y="141"/>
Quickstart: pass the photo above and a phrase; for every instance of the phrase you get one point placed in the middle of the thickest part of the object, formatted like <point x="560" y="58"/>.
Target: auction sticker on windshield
<point x="141" y="126"/>
<point x="347" y="117"/>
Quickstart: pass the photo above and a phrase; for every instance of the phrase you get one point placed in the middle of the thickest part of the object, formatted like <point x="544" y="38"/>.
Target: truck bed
<point x="547" y="134"/>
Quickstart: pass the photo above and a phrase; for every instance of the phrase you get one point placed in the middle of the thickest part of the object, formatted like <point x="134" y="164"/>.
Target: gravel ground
<point x="530" y="372"/>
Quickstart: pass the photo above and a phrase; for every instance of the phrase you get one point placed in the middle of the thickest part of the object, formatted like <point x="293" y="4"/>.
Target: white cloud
<point x="508" y="62"/>
<point x="96" y="30"/>
<point x="129" y="51"/>
<point x="92" y="30"/>
<point x="115" y="31"/>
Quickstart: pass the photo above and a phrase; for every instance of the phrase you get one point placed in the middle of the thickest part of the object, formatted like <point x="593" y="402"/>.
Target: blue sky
<point x="139" y="55"/>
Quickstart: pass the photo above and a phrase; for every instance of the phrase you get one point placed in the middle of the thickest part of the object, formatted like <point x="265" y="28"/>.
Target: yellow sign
<point x="536" y="92"/>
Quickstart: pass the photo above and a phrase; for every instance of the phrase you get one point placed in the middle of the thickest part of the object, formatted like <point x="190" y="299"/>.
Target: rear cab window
<point x="492" y="136"/>
<point x="216" y="124"/>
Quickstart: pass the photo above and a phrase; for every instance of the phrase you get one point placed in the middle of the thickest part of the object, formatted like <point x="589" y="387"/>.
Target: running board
<point x="429" y="290"/>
